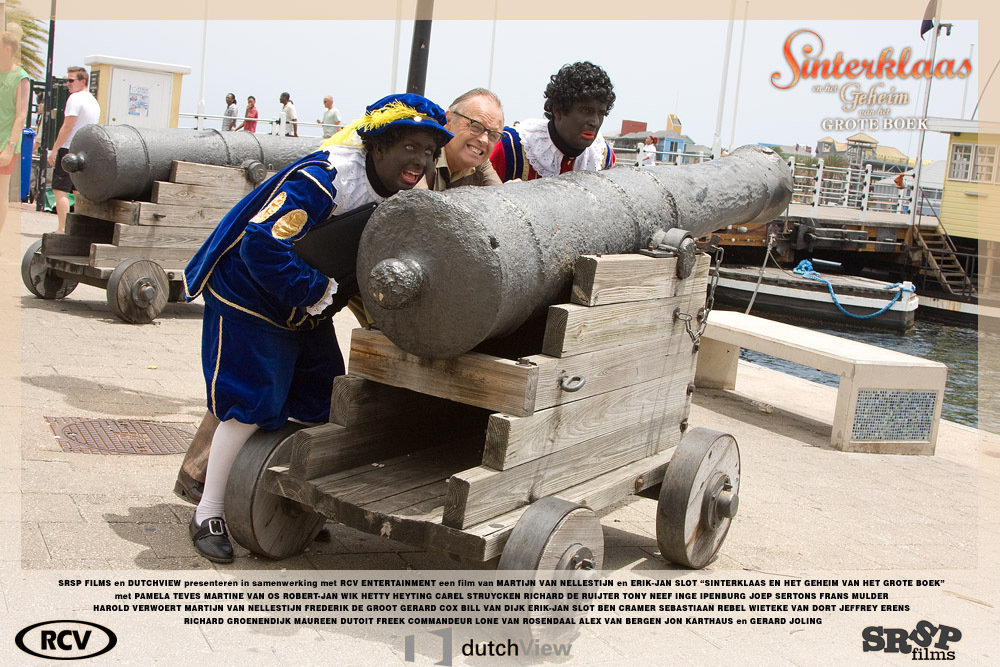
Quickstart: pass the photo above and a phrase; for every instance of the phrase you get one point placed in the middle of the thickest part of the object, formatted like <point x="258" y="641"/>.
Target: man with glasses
<point x="81" y="109"/>
<point x="577" y="100"/>
<point x="476" y="120"/>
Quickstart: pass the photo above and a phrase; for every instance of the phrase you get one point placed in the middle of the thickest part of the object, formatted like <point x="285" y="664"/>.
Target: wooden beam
<point x="473" y="379"/>
<point x="597" y="494"/>
<point x="480" y="494"/>
<point x="607" y="369"/>
<point x="604" y="279"/>
<point x="162" y="237"/>
<point x="419" y="469"/>
<point x="329" y="448"/>
<point x="401" y="499"/>
<point x="65" y="245"/>
<point x="99" y="230"/>
<point x="233" y="179"/>
<point x="419" y="525"/>
<point x="513" y="441"/>
<point x="103" y="255"/>
<point x="357" y="401"/>
<point x="113" y="210"/>
<point x="169" y="215"/>
<point x="183" y="194"/>
<point x="572" y="329"/>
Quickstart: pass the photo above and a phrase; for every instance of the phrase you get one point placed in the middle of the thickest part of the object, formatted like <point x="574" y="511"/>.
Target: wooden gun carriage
<point x="486" y="457"/>
<point x="136" y="250"/>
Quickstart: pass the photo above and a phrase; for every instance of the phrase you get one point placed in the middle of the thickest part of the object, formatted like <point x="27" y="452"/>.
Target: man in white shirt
<point x="331" y="118"/>
<point x="81" y="109"/>
<point x="288" y="113"/>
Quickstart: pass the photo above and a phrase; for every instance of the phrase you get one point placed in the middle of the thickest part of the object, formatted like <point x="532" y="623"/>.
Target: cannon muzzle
<point x="440" y="272"/>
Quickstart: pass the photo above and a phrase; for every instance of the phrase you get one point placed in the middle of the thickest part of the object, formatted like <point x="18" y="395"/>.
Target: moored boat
<point x="842" y="299"/>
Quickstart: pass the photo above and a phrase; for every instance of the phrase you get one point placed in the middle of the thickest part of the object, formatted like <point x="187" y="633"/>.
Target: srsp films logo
<point x="925" y="642"/>
<point x="65" y="640"/>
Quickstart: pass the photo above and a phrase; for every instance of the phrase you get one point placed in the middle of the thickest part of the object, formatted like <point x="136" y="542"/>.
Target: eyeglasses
<point x="478" y="128"/>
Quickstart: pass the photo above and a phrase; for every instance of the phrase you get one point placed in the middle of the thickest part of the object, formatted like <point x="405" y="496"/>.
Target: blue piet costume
<point x="269" y="351"/>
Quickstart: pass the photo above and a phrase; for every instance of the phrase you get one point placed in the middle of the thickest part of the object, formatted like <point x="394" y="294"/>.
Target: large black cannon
<point x="121" y="161"/>
<point x="440" y="272"/>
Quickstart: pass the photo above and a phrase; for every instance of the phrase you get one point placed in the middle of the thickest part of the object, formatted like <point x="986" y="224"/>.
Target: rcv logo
<point x="65" y="640"/>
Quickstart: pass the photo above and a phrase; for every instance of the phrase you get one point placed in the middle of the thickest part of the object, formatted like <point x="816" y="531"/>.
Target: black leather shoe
<point x="188" y="488"/>
<point x="211" y="539"/>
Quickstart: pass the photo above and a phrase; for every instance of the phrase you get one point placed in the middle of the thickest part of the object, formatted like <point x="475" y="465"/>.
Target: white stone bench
<point x="887" y="402"/>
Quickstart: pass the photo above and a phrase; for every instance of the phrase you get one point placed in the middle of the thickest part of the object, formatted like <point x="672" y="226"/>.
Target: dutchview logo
<point x="65" y="640"/>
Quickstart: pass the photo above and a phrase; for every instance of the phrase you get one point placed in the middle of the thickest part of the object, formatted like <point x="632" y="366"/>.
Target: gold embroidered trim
<point x="208" y="275"/>
<point x="318" y="184"/>
<point x="246" y="310"/>
<point x="218" y="359"/>
<point x="289" y="225"/>
<point x="271" y="208"/>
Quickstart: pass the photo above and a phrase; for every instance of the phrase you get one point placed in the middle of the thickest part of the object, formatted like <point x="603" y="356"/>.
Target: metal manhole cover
<point x="119" y="436"/>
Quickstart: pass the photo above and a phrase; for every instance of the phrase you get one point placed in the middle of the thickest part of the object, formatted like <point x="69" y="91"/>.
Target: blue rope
<point x="805" y="269"/>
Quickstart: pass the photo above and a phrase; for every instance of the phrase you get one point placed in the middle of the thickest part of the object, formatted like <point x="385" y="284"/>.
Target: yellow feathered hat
<point x="394" y="111"/>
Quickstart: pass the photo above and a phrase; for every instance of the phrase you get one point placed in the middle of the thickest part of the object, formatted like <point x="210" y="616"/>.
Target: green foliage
<point x="835" y="160"/>
<point x="783" y="154"/>
<point x="34" y="41"/>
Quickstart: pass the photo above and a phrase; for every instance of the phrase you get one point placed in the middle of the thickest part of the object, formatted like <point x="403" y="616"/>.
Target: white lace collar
<point x="546" y="159"/>
<point x="351" y="181"/>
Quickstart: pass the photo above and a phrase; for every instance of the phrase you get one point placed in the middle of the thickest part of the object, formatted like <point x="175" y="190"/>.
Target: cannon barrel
<point x="121" y="161"/>
<point x="440" y="272"/>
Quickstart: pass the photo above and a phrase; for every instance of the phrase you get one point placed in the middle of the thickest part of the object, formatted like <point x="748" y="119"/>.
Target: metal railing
<point x="860" y="188"/>
<point x="629" y="156"/>
<point x="264" y="125"/>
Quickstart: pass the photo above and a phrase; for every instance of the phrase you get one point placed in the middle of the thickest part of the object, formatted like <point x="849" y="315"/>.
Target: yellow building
<point x="970" y="200"/>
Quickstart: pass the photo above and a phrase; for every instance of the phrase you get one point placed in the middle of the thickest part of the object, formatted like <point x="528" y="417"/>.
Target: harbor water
<point x="971" y="356"/>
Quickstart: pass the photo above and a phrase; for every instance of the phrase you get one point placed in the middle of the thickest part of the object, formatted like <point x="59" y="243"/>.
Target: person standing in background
<point x="288" y="113"/>
<point x="250" y="124"/>
<point x="229" y="122"/>
<point x="331" y="118"/>
<point x="647" y="152"/>
<point x="81" y="109"/>
<point x="13" y="109"/>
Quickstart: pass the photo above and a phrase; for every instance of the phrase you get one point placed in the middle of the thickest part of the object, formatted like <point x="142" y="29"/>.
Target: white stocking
<point x="226" y="443"/>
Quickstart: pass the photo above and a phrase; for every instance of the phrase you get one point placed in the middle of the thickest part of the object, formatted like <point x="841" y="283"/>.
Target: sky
<point x="657" y="67"/>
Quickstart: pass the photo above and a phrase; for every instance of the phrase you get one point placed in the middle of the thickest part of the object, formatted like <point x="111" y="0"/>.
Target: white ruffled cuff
<point x="327" y="299"/>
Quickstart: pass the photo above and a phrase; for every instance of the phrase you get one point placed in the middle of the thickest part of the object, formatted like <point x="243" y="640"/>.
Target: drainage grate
<point x="119" y="436"/>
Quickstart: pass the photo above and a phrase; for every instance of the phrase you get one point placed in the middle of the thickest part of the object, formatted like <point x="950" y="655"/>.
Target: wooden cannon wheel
<point x="39" y="280"/>
<point x="699" y="497"/>
<point x="554" y="539"/>
<point x="555" y="535"/>
<point x="138" y="290"/>
<point x="265" y="523"/>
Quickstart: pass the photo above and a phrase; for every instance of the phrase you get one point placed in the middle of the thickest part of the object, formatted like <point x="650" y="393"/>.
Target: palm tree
<point x="33" y="42"/>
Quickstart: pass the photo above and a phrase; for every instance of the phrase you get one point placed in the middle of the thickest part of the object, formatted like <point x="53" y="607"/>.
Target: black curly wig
<point x="579" y="81"/>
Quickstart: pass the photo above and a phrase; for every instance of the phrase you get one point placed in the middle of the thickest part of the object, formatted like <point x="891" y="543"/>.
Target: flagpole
<point x="204" y="60"/>
<point x="395" y="44"/>
<point x="493" y="43"/>
<point x="739" y="75"/>
<point x="717" y="139"/>
<point x="965" y="93"/>
<point x="915" y="202"/>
